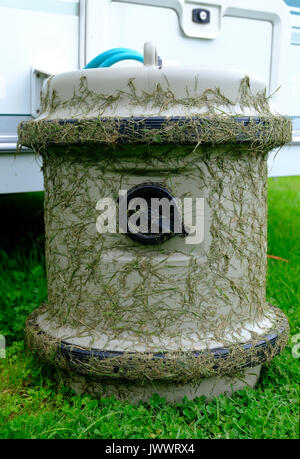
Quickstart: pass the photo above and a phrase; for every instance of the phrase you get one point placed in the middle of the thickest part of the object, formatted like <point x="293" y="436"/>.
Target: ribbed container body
<point x="187" y="316"/>
<point x="172" y="296"/>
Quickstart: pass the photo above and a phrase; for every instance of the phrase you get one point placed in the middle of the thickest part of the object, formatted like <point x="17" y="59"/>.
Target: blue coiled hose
<point x="112" y="56"/>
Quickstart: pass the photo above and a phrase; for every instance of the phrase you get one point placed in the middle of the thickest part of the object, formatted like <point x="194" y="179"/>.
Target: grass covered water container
<point x="134" y="314"/>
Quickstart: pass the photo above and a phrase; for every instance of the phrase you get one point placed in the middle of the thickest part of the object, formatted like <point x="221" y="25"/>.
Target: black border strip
<point x="155" y="122"/>
<point x="71" y="352"/>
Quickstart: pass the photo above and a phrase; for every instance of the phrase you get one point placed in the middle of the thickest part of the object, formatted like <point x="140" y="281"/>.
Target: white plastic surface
<point x="20" y="173"/>
<point x="180" y="80"/>
<point x="150" y="53"/>
<point x="135" y="16"/>
<point x="33" y="39"/>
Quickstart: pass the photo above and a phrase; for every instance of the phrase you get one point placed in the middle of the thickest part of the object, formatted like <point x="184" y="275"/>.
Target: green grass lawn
<point x="34" y="403"/>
